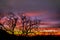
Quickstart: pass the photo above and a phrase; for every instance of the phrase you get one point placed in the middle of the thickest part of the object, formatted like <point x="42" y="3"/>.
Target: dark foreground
<point x="5" y="36"/>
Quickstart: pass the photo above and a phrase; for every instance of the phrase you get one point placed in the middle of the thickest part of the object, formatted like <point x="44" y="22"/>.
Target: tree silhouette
<point x="27" y="24"/>
<point x="23" y="18"/>
<point x="13" y="20"/>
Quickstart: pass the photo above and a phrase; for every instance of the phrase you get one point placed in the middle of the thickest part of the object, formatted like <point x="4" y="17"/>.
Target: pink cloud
<point x="35" y="13"/>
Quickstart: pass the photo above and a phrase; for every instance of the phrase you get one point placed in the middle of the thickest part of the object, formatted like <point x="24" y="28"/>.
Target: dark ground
<point x="5" y="36"/>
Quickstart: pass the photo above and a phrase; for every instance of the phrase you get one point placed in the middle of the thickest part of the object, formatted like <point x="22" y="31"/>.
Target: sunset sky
<point x="48" y="11"/>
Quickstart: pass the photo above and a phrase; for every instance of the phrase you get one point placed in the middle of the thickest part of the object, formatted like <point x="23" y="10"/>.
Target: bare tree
<point x="28" y="25"/>
<point x="13" y="20"/>
<point x="23" y="18"/>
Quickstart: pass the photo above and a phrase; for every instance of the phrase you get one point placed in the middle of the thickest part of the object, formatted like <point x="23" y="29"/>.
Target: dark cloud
<point x="29" y="5"/>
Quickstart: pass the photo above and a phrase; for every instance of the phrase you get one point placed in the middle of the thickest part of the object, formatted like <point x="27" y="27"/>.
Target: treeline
<point x="27" y="23"/>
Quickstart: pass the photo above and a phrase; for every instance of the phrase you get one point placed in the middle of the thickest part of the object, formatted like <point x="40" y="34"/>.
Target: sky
<point x="47" y="10"/>
<point x="29" y="5"/>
